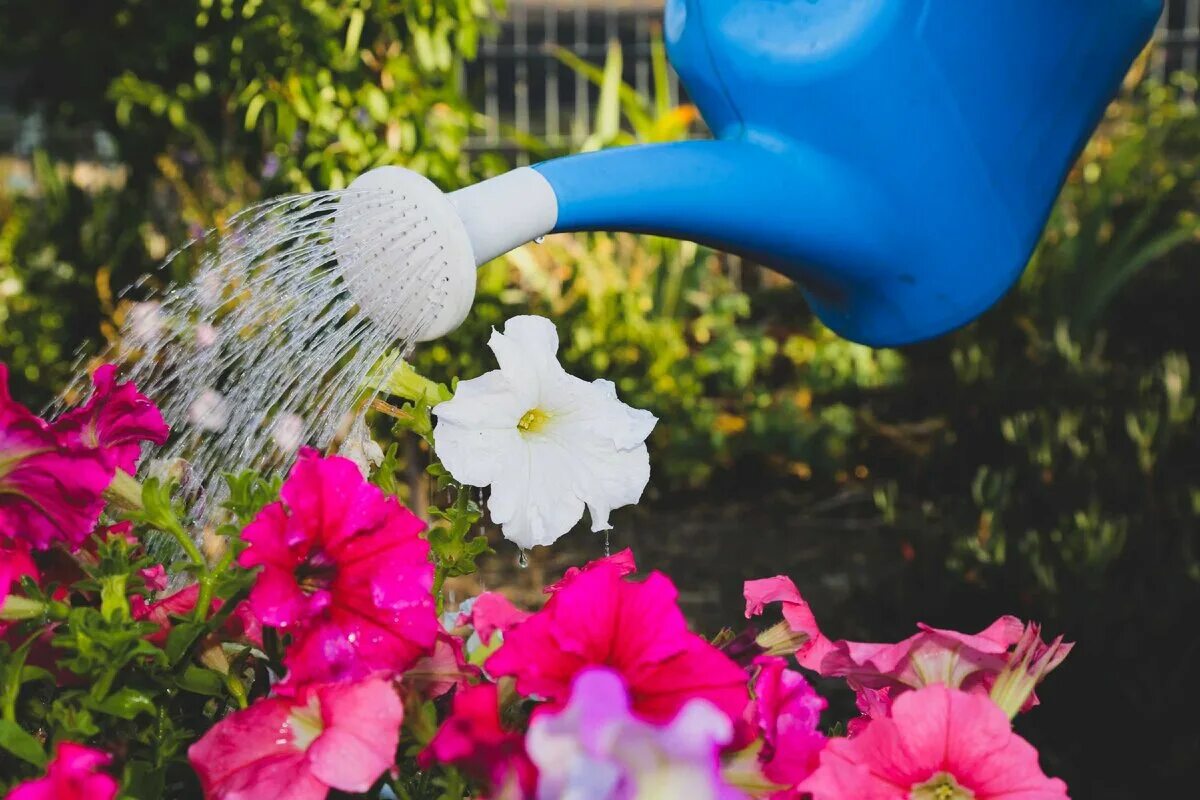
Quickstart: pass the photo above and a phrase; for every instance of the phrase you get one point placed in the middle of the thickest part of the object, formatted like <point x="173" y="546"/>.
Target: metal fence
<point x="523" y="89"/>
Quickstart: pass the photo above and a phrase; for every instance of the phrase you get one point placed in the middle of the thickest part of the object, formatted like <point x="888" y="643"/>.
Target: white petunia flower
<point x="547" y="443"/>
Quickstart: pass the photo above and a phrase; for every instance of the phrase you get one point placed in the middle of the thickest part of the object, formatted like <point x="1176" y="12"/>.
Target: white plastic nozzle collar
<point x="463" y="230"/>
<point x="507" y="211"/>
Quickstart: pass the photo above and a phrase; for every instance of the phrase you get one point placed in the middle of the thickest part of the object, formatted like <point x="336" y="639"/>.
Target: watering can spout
<point x="897" y="158"/>
<point x="790" y="208"/>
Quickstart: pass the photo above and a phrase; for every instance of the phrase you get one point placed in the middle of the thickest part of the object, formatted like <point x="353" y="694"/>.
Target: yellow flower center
<point x="306" y="724"/>
<point x="533" y="421"/>
<point x="941" y="787"/>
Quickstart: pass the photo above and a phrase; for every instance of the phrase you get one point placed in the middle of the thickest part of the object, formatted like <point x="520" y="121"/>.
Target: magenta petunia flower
<point x="786" y="712"/>
<point x="473" y="739"/>
<point x="871" y="703"/>
<point x="49" y="492"/>
<point x="600" y="619"/>
<point x="240" y="625"/>
<point x="15" y="563"/>
<point x="622" y="560"/>
<point x="596" y="749"/>
<point x="327" y="736"/>
<point x="115" y="420"/>
<point x="938" y="744"/>
<point x="344" y="571"/>
<point x="74" y="774"/>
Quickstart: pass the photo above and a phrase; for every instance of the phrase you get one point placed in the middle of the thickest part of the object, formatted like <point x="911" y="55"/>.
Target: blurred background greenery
<point x="1044" y="461"/>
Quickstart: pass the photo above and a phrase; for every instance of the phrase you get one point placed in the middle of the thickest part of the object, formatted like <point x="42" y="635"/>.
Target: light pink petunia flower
<point x="74" y="774"/>
<point x="492" y="612"/>
<point x="972" y="662"/>
<point x="938" y="744"/>
<point x="327" y="736"/>
<point x="344" y="571"/>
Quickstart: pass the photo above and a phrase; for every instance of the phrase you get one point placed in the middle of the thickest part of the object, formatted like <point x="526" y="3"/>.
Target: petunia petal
<point x="534" y="500"/>
<point x="527" y="355"/>
<point x="362" y="730"/>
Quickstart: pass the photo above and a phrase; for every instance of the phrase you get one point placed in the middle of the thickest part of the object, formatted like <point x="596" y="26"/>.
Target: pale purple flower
<point x="596" y="749"/>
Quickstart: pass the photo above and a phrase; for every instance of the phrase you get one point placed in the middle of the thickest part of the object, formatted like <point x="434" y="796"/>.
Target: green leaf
<point x="353" y="33"/>
<point x="21" y="744"/>
<point x="182" y="636"/>
<point x="253" y="109"/>
<point x="29" y="674"/>
<point x="124" y="703"/>
<point x="199" y="680"/>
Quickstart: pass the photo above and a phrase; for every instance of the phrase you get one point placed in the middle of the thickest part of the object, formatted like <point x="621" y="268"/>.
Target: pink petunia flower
<point x="971" y="662"/>
<point x="115" y="420"/>
<point x="1028" y="664"/>
<point x="444" y="669"/>
<point x="327" y="736"/>
<point x="74" y="774"/>
<point x="799" y="632"/>
<point x="492" y="612"/>
<point x="786" y="712"/>
<point x="473" y="740"/>
<point x="938" y="744"/>
<point x="871" y="704"/>
<point x="155" y="577"/>
<point x="596" y="749"/>
<point x="49" y="492"/>
<point x="600" y="619"/>
<point x="345" y="571"/>
<point x="241" y="624"/>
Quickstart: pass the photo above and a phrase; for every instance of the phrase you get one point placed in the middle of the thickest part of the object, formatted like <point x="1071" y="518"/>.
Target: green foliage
<point x="207" y="106"/>
<point x="451" y="543"/>
<point x="117" y="687"/>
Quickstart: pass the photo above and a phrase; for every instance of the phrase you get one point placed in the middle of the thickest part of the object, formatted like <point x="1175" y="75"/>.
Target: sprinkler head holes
<point x="383" y="266"/>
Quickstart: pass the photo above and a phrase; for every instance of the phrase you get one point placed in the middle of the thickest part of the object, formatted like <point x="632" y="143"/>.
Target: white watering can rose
<point x="546" y="442"/>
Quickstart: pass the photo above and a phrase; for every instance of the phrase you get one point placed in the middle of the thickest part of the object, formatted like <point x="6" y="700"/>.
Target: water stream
<point x="264" y="349"/>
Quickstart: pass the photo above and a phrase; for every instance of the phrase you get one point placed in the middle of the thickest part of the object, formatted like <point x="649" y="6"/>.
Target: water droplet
<point x="539" y="240"/>
<point x="523" y="559"/>
<point x="607" y="545"/>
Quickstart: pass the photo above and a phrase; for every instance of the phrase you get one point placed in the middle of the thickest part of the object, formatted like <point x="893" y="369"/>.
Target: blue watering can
<point x="897" y="158"/>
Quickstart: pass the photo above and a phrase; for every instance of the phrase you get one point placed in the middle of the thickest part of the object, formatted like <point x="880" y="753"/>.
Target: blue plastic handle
<point x="898" y="158"/>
